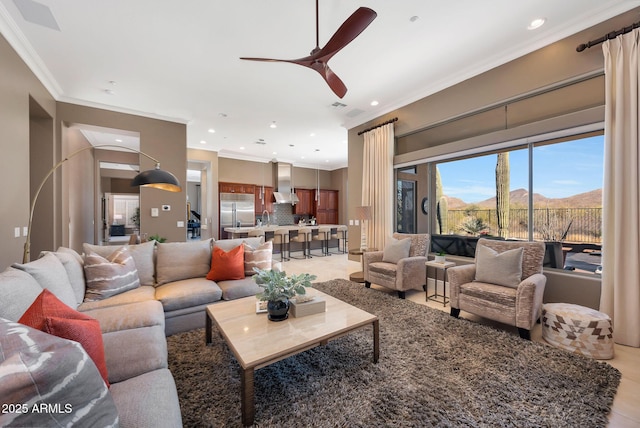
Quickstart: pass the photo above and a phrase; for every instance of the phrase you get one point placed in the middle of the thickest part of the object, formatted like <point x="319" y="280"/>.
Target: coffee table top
<point x="255" y="341"/>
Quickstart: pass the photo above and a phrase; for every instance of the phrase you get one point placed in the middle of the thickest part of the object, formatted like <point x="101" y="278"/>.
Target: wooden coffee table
<point x="257" y="342"/>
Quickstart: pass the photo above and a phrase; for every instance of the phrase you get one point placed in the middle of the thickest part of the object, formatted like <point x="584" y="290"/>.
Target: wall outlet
<point x="181" y="224"/>
<point x="166" y="208"/>
<point x="154" y="212"/>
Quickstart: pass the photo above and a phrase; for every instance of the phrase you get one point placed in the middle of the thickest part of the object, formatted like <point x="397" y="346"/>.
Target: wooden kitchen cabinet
<point x="236" y="188"/>
<point x="326" y="208"/>
<point x="266" y="203"/>
<point x="305" y="205"/>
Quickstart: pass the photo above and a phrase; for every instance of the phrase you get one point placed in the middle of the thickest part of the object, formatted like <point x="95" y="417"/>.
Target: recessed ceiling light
<point x="273" y="124"/>
<point x="274" y="153"/>
<point x="374" y="103"/>
<point x="242" y="148"/>
<point x="327" y="160"/>
<point x="301" y="157"/>
<point x="312" y="135"/>
<point x="536" y="23"/>
<point x="211" y="130"/>
<point x="203" y="142"/>
<point x="118" y="140"/>
<point x="222" y="114"/>
<point x="414" y="18"/>
<point x="109" y="91"/>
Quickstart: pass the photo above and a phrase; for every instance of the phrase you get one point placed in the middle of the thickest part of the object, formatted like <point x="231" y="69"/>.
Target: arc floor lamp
<point x="156" y="178"/>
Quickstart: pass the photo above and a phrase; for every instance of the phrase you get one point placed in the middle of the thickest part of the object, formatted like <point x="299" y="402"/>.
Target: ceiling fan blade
<point x="349" y="30"/>
<point x="337" y="86"/>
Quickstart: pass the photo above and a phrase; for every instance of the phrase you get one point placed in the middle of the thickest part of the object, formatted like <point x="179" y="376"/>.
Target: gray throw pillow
<point x="499" y="268"/>
<point x="396" y="249"/>
<point x="75" y="271"/>
<point x="18" y="290"/>
<point x="107" y="277"/>
<point x="47" y="370"/>
<point x="142" y="256"/>
<point x="51" y="274"/>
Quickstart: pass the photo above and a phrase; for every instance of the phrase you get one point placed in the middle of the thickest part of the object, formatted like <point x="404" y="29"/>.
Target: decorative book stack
<point x="310" y="307"/>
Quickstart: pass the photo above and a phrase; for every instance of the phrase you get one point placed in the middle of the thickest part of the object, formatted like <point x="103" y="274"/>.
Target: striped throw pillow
<point x="109" y="276"/>
<point x="257" y="257"/>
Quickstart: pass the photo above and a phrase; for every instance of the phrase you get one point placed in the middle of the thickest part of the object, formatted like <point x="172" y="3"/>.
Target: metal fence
<point x="581" y="225"/>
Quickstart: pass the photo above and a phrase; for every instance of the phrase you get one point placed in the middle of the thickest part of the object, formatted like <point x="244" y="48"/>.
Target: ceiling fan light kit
<point x="318" y="59"/>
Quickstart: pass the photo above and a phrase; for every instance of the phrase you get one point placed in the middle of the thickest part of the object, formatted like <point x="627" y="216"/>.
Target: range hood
<point x="284" y="185"/>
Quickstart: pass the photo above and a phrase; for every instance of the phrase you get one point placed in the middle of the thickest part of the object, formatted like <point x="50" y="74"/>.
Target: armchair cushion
<point x="499" y="268"/>
<point x="396" y="249"/>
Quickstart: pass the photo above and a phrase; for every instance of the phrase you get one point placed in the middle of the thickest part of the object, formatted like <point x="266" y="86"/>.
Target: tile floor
<point x="626" y="405"/>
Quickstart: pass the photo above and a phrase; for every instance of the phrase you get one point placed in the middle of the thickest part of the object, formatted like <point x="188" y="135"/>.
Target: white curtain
<point x="377" y="184"/>
<point x="620" y="296"/>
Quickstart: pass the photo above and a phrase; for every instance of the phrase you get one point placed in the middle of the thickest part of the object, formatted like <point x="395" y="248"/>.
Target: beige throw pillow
<point x="260" y="257"/>
<point x="51" y="274"/>
<point x="107" y="277"/>
<point x="396" y="249"/>
<point x="183" y="260"/>
<point x="499" y="268"/>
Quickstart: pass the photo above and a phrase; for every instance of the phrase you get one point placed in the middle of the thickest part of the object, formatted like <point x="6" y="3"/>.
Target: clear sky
<point x="560" y="170"/>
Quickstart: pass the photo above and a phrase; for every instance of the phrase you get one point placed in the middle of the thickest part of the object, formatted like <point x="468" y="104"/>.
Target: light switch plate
<point x="181" y="224"/>
<point x="154" y="212"/>
<point x="16" y="232"/>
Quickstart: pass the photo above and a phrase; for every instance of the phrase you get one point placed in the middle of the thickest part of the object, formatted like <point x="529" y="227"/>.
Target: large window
<point x="548" y="191"/>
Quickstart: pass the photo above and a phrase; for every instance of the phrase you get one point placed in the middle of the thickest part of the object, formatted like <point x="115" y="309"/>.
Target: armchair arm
<point x="370" y="257"/>
<point x="529" y="300"/>
<point x="411" y="273"/>
<point x="457" y="276"/>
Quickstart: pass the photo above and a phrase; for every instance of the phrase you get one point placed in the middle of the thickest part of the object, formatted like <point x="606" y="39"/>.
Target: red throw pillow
<point x="227" y="265"/>
<point x="47" y="313"/>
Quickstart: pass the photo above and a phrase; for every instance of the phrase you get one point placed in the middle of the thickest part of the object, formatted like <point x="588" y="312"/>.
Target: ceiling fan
<point x="318" y="58"/>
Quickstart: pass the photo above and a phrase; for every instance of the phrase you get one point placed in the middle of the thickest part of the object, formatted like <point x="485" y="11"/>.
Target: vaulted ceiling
<point x="180" y="61"/>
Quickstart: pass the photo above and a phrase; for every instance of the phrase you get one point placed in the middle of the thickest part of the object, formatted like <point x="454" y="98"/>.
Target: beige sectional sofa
<point x="172" y="295"/>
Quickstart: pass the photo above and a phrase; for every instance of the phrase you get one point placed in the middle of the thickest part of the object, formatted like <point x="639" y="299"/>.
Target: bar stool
<point x="322" y="234"/>
<point x="256" y="233"/>
<point x="281" y="237"/>
<point x="302" y="236"/>
<point x="334" y="235"/>
<point x="342" y="231"/>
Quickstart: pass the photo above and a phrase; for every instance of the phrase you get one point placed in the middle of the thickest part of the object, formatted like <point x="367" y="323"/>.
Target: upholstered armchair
<point x="504" y="284"/>
<point x="399" y="267"/>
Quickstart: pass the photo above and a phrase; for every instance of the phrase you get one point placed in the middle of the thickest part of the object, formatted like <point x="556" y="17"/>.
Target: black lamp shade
<point x="158" y="179"/>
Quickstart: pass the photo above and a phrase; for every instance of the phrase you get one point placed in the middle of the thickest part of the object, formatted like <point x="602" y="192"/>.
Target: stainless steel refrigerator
<point x="236" y="210"/>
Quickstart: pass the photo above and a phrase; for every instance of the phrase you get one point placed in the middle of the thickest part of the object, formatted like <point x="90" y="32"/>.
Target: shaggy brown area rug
<point x="434" y="370"/>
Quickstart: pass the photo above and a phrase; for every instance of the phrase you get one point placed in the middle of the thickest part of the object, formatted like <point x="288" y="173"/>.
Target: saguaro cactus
<point x="441" y="205"/>
<point x="502" y="194"/>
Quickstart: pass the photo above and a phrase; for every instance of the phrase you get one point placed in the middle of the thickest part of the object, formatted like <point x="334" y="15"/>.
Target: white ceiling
<point x="180" y="61"/>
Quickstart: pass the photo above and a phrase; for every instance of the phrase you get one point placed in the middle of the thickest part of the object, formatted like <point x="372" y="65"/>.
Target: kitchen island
<point x="269" y="230"/>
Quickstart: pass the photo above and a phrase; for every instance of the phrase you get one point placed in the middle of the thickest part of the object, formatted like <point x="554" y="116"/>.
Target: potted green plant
<point x="440" y="257"/>
<point x="278" y="288"/>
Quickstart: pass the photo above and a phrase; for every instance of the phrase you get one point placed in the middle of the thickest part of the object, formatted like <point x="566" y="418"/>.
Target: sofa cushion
<point x="383" y="268"/>
<point x="18" y="290"/>
<point x="228" y="244"/>
<point x="143" y="257"/>
<point x="49" y="314"/>
<point x="396" y="249"/>
<point x="239" y="288"/>
<point x="183" y="260"/>
<point x="107" y="277"/>
<point x="140" y="294"/>
<point x="188" y="293"/>
<point x="260" y="257"/>
<point x="50" y="274"/>
<point x="496" y="294"/>
<point x="159" y="401"/>
<point x="499" y="268"/>
<point x="227" y="265"/>
<point x="125" y="317"/>
<point x="37" y="368"/>
<point x="73" y="264"/>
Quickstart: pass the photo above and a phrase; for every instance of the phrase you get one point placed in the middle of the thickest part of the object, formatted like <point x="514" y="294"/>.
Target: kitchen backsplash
<point x="282" y="214"/>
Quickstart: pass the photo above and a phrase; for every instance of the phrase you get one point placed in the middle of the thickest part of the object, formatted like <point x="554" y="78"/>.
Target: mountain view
<point x="520" y="198"/>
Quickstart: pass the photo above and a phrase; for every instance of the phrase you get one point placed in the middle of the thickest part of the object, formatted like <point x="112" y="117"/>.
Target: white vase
<point x="440" y="259"/>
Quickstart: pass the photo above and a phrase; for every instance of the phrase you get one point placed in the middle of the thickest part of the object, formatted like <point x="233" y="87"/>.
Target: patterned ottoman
<point x="578" y="329"/>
